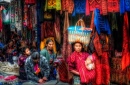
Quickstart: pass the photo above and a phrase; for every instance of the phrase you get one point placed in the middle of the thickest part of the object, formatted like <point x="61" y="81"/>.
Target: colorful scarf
<point x="124" y="6"/>
<point x="113" y="5"/>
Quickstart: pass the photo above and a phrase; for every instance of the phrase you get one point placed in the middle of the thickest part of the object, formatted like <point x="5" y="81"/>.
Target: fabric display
<point x="53" y="4"/>
<point x="6" y="16"/>
<point x="101" y="23"/>
<point x="47" y="30"/>
<point x="79" y="7"/>
<point x="79" y="33"/>
<point x="57" y="29"/>
<point x="117" y="75"/>
<point x="8" y="68"/>
<point x="30" y="2"/>
<point x="66" y="47"/>
<point x="1" y="25"/>
<point x="125" y="49"/>
<point x="124" y="6"/>
<point x="67" y="5"/>
<point x="113" y="5"/>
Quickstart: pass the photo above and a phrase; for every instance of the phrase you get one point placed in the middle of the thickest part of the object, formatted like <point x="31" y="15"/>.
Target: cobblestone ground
<point x="53" y="82"/>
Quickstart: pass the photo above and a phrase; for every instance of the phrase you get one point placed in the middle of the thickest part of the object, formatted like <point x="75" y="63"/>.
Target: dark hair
<point x="49" y="40"/>
<point x="35" y="56"/>
<point x="79" y="43"/>
<point x="23" y="49"/>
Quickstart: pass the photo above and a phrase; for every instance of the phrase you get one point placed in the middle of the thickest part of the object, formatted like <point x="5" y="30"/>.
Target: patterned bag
<point x="79" y="33"/>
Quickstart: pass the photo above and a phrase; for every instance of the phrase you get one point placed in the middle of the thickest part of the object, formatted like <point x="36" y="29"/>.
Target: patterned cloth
<point x="124" y="6"/>
<point x="43" y="65"/>
<point x="101" y="23"/>
<point x="79" y="7"/>
<point x="67" y="5"/>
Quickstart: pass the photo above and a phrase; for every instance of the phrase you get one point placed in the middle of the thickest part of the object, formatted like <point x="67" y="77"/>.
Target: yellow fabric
<point x="43" y="43"/>
<point x="53" y="4"/>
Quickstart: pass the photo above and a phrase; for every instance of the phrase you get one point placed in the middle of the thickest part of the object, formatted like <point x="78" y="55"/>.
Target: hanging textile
<point x="113" y="5"/>
<point x="6" y="16"/>
<point x="66" y="49"/>
<point x="30" y="1"/>
<point x="53" y="4"/>
<point x="47" y="30"/>
<point x="124" y="6"/>
<point x="91" y="5"/>
<point x="125" y="49"/>
<point x="101" y="23"/>
<point x="79" y="7"/>
<point x="1" y="24"/>
<point x="114" y="22"/>
<point x="57" y="29"/>
<point x="67" y="5"/>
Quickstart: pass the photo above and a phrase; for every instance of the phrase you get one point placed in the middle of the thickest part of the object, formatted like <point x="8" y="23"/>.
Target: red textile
<point x="125" y="51"/>
<point x="113" y="5"/>
<point x="47" y="30"/>
<point x="76" y="61"/>
<point x="30" y="1"/>
<point x="102" y="69"/>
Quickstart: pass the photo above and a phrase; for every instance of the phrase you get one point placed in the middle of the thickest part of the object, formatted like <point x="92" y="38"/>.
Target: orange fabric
<point x="125" y="51"/>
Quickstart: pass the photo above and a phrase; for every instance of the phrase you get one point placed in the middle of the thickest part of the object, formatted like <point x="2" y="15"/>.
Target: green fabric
<point x="54" y="4"/>
<point x="45" y="53"/>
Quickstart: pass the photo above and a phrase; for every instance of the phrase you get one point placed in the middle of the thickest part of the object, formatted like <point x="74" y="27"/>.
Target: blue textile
<point x="101" y="23"/>
<point x="79" y="7"/>
<point x="124" y="6"/>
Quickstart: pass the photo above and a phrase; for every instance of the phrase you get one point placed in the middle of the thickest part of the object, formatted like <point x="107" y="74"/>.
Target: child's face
<point x="27" y="51"/>
<point x="78" y="47"/>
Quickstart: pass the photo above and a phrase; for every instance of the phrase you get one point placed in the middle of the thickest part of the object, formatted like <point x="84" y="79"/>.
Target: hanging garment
<point x="124" y="6"/>
<point x="30" y="1"/>
<point x="125" y="49"/>
<point x="53" y="4"/>
<point x="91" y="5"/>
<point x="114" y="22"/>
<point x="101" y="23"/>
<point x="66" y="49"/>
<point x="67" y="5"/>
<point x="79" y="7"/>
<point x="1" y="24"/>
<point x="47" y="30"/>
<point x="113" y="5"/>
<point x="6" y="16"/>
<point x="43" y="43"/>
<point x="57" y="29"/>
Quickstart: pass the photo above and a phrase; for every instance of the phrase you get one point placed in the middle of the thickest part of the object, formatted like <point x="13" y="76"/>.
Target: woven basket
<point x="79" y="33"/>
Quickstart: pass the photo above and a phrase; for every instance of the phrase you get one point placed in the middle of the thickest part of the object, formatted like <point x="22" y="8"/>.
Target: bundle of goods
<point x="8" y="68"/>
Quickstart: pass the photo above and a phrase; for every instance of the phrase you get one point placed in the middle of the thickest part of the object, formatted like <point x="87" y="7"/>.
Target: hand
<point x="44" y="78"/>
<point x="40" y="81"/>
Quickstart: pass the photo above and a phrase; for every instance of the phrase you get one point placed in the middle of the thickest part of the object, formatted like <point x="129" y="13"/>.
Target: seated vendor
<point x="37" y="68"/>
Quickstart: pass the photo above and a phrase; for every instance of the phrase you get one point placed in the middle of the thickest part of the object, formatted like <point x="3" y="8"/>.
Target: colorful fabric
<point x="76" y="61"/>
<point x="30" y="1"/>
<point x="43" y="65"/>
<point x="101" y="23"/>
<point x="57" y="29"/>
<point x="47" y="30"/>
<point x="67" y="49"/>
<point x="79" y="7"/>
<point x="53" y="4"/>
<point x="92" y="4"/>
<point x="67" y="5"/>
<point x="125" y="51"/>
<point x="36" y="69"/>
<point x="113" y="5"/>
<point x="124" y="6"/>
